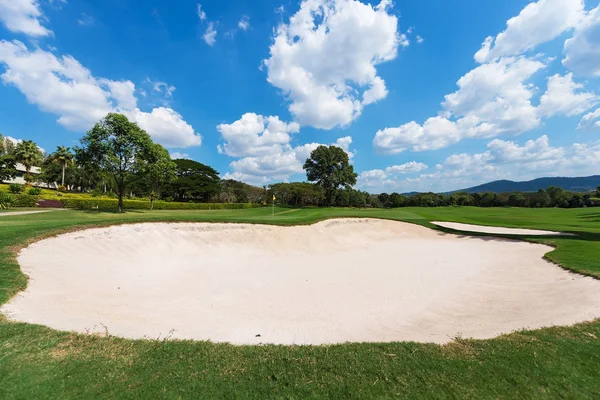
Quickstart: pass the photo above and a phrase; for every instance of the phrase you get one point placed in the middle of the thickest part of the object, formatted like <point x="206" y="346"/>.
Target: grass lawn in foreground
<point x="37" y="362"/>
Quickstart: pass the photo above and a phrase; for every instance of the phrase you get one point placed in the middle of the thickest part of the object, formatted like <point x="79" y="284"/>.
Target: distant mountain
<point x="580" y="184"/>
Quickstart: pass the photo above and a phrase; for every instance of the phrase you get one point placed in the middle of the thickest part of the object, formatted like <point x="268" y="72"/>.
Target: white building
<point x="21" y="171"/>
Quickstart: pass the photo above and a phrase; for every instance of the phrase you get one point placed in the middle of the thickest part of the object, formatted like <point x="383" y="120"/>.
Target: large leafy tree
<point x="63" y="157"/>
<point x="28" y="154"/>
<point x="330" y="168"/>
<point x="160" y="172"/>
<point x="195" y="181"/>
<point x="119" y="148"/>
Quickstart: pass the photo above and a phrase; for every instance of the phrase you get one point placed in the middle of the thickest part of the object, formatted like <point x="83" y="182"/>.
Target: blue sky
<point x="423" y="95"/>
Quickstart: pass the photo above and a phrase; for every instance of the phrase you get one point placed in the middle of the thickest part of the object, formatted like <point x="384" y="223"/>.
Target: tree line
<point x="117" y="158"/>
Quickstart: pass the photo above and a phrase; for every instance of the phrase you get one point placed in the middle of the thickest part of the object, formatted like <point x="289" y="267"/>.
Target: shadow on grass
<point x="113" y="212"/>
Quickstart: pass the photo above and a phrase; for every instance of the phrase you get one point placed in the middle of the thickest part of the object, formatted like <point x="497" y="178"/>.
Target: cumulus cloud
<point x="566" y="97"/>
<point x="582" y="51"/>
<point x="501" y="160"/>
<point x="166" y="126"/>
<point x="23" y="16"/>
<point x="590" y="120"/>
<point x="492" y="99"/>
<point x="325" y="59"/>
<point x="62" y="86"/>
<point x="381" y="177"/>
<point x="537" y="23"/>
<point x="255" y="135"/>
<point x="264" y="148"/>
<point x="123" y="92"/>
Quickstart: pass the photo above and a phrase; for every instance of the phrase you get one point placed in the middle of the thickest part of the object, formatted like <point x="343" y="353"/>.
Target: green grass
<point x="37" y="362"/>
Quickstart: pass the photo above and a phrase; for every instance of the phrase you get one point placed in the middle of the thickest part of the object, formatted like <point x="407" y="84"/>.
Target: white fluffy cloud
<point x="566" y="97"/>
<point x="255" y="135"/>
<point x="492" y="99"/>
<point x="263" y="146"/>
<point x="62" y="86"/>
<point x="590" y="120"/>
<point x="582" y="51"/>
<point x="537" y="23"/>
<point x="166" y="126"/>
<point x="509" y="160"/>
<point x="381" y="177"/>
<point x="435" y="133"/>
<point x="495" y="98"/>
<point x="501" y="160"/>
<point x="123" y="92"/>
<point x="23" y="16"/>
<point x="324" y="59"/>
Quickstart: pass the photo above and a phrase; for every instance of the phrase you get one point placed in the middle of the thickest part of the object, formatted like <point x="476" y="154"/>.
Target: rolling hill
<point x="578" y="184"/>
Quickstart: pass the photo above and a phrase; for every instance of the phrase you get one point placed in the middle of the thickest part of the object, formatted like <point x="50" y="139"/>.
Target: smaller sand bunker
<point x="497" y="230"/>
<point x="349" y="280"/>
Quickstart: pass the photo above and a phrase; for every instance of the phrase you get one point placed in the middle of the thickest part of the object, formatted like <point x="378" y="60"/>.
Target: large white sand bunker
<point x="336" y="281"/>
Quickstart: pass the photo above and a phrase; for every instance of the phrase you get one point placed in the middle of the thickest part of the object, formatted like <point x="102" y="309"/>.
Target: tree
<point x="516" y="200"/>
<point x="397" y="200"/>
<point x="7" y="146"/>
<point x="7" y="161"/>
<point x="160" y="172"/>
<point x="384" y="198"/>
<point x="330" y="168"/>
<point x="120" y="148"/>
<point x="195" y="180"/>
<point x="51" y="172"/>
<point x="63" y="157"/>
<point x="28" y="154"/>
<point x="7" y="167"/>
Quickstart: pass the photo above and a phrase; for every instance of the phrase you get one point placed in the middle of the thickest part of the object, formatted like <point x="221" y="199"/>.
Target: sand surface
<point x="498" y="230"/>
<point x="359" y="280"/>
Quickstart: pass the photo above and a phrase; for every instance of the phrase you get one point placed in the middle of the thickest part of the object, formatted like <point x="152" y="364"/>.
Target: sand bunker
<point x="356" y="280"/>
<point x="498" y="230"/>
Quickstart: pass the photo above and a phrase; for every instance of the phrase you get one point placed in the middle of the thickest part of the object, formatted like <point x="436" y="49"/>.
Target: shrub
<point x="62" y="188"/>
<point x="112" y="204"/>
<point x="6" y="200"/>
<point x="15" y="188"/>
<point x="34" y="191"/>
<point x="96" y="193"/>
<point x="25" y="200"/>
<point x="50" y="203"/>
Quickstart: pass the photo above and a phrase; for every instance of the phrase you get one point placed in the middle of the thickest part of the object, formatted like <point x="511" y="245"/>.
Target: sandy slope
<point x="497" y="230"/>
<point x="336" y="281"/>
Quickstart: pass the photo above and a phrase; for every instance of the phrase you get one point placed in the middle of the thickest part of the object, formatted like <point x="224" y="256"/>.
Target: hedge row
<point x="24" y="200"/>
<point x="113" y="204"/>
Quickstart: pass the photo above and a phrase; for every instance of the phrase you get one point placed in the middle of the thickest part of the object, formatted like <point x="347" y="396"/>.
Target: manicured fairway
<point x="36" y="362"/>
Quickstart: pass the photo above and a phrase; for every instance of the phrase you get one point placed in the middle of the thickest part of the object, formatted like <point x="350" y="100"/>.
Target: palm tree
<point x="63" y="157"/>
<point x="28" y="154"/>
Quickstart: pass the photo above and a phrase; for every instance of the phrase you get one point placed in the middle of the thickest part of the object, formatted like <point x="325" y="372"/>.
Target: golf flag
<point x="274" y="198"/>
